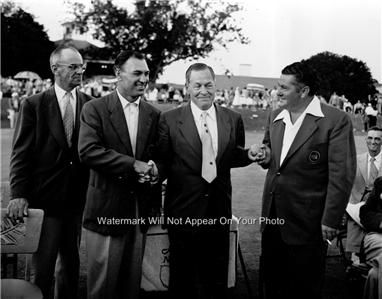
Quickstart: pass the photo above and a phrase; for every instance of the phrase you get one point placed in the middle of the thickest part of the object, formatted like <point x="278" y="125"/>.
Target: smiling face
<point x="290" y="91"/>
<point x="373" y="142"/>
<point x="201" y="88"/>
<point x="67" y="67"/>
<point x="133" y="77"/>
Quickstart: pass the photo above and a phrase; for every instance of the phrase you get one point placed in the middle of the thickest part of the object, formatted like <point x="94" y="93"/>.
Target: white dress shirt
<point x="291" y="130"/>
<point x="131" y="111"/>
<point x="60" y="94"/>
<point x="369" y="110"/>
<point x="211" y="123"/>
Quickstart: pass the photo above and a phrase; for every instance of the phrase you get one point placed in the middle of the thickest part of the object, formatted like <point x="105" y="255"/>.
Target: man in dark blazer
<point x="46" y="173"/>
<point x="117" y="141"/>
<point x="371" y="219"/>
<point x="312" y="163"/>
<point x="198" y="203"/>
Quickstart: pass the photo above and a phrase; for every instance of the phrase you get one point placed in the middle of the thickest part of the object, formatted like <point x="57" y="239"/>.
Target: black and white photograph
<point x="191" y="149"/>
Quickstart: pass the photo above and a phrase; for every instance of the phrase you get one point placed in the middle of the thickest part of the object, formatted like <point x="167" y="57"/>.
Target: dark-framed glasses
<point x="74" y="67"/>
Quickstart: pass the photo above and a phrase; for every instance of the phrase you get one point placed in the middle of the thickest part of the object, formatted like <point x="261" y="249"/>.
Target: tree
<point x="166" y="30"/>
<point x="25" y="44"/>
<point x="343" y="75"/>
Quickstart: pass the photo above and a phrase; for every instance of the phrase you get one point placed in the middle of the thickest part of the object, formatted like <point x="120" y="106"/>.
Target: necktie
<point x="373" y="172"/>
<point x="68" y="118"/>
<point x="208" y="161"/>
<point x="132" y="124"/>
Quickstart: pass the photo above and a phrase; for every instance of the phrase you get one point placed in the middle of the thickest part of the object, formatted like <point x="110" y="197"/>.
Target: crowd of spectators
<point x="17" y="90"/>
<point x="239" y="98"/>
<point x="367" y="111"/>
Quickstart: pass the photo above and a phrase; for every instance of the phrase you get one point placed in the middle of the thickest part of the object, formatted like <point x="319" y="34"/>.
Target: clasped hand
<point x="259" y="153"/>
<point x="147" y="172"/>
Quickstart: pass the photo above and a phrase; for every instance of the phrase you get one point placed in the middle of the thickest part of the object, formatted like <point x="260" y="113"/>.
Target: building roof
<point x="225" y="82"/>
<point x="78" y="44"/>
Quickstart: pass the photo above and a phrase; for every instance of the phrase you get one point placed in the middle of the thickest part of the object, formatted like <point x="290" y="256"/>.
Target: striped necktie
<point x="68" y="118"/>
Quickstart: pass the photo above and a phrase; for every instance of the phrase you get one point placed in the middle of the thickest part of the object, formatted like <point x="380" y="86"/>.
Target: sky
<point x="281" y="32"/>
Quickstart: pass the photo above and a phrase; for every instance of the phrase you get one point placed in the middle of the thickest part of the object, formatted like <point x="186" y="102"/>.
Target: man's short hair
<point x="304" y="74"/>
<point x="124" y="56"/>
<point x="198" y="67"/>
<point x="375" y="128"/>
<point x="57" y="52"/>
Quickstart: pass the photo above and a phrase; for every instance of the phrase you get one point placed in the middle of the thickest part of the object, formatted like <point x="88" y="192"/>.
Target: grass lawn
<point x="247" y="191"/>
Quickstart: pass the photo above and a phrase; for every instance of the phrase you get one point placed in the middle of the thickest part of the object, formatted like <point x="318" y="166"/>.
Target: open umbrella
<point x="27" y="75"/>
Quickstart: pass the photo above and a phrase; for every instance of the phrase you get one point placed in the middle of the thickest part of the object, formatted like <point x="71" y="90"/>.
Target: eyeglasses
<point x="74" y="67"/>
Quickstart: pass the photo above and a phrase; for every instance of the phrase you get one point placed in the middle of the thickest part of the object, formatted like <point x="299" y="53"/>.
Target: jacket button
<point x="119" y="178"/>
<point x="71" y="163"/>
<point x="278" y="173"/>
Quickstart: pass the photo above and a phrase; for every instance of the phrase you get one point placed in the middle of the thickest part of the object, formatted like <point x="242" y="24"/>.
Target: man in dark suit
<point x="312" y="163"/>
<point x="371" y="219"/>
<point x="117" y="141"/>
<point x="198" y="145"/>
<point x="46" y="173"/>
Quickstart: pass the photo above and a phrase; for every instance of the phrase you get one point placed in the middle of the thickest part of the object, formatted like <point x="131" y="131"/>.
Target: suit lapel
<point x="306" y="130"/>
<point x="224" y="129"/>
<point x="54" y="118"/>
<point x="81" y="100"/>
<point x="118" y="120"/>
<point x="188" y="130"/>
<point x="362" y="164"/>
<point x="380" y="169"/>
<point x="277" y="136"/>
<point x="144" y="124"/>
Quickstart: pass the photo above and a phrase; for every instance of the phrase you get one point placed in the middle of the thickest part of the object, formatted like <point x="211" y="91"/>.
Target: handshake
<point x="147" y="172"/>
<point x="260" y="154"/>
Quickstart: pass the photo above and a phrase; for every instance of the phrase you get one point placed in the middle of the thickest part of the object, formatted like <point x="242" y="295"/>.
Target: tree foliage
<point x="25" y="44"/>
<point x="166" y="30"/>
<point x="343" y="75"/>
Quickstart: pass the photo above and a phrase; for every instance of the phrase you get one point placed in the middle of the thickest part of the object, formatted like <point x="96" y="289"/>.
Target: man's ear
<point x="305" y="91"/>
<point x="117" y="72"/>
<point x="53" y="68"/>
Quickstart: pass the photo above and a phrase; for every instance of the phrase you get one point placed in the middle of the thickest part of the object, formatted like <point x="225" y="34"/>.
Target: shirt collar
<point x="60" y="93"/>
<point x="314" y="108"/>
<point x="196" y="111"/>
<point x="377" y="157"/>
<point x="125" y="102"/>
